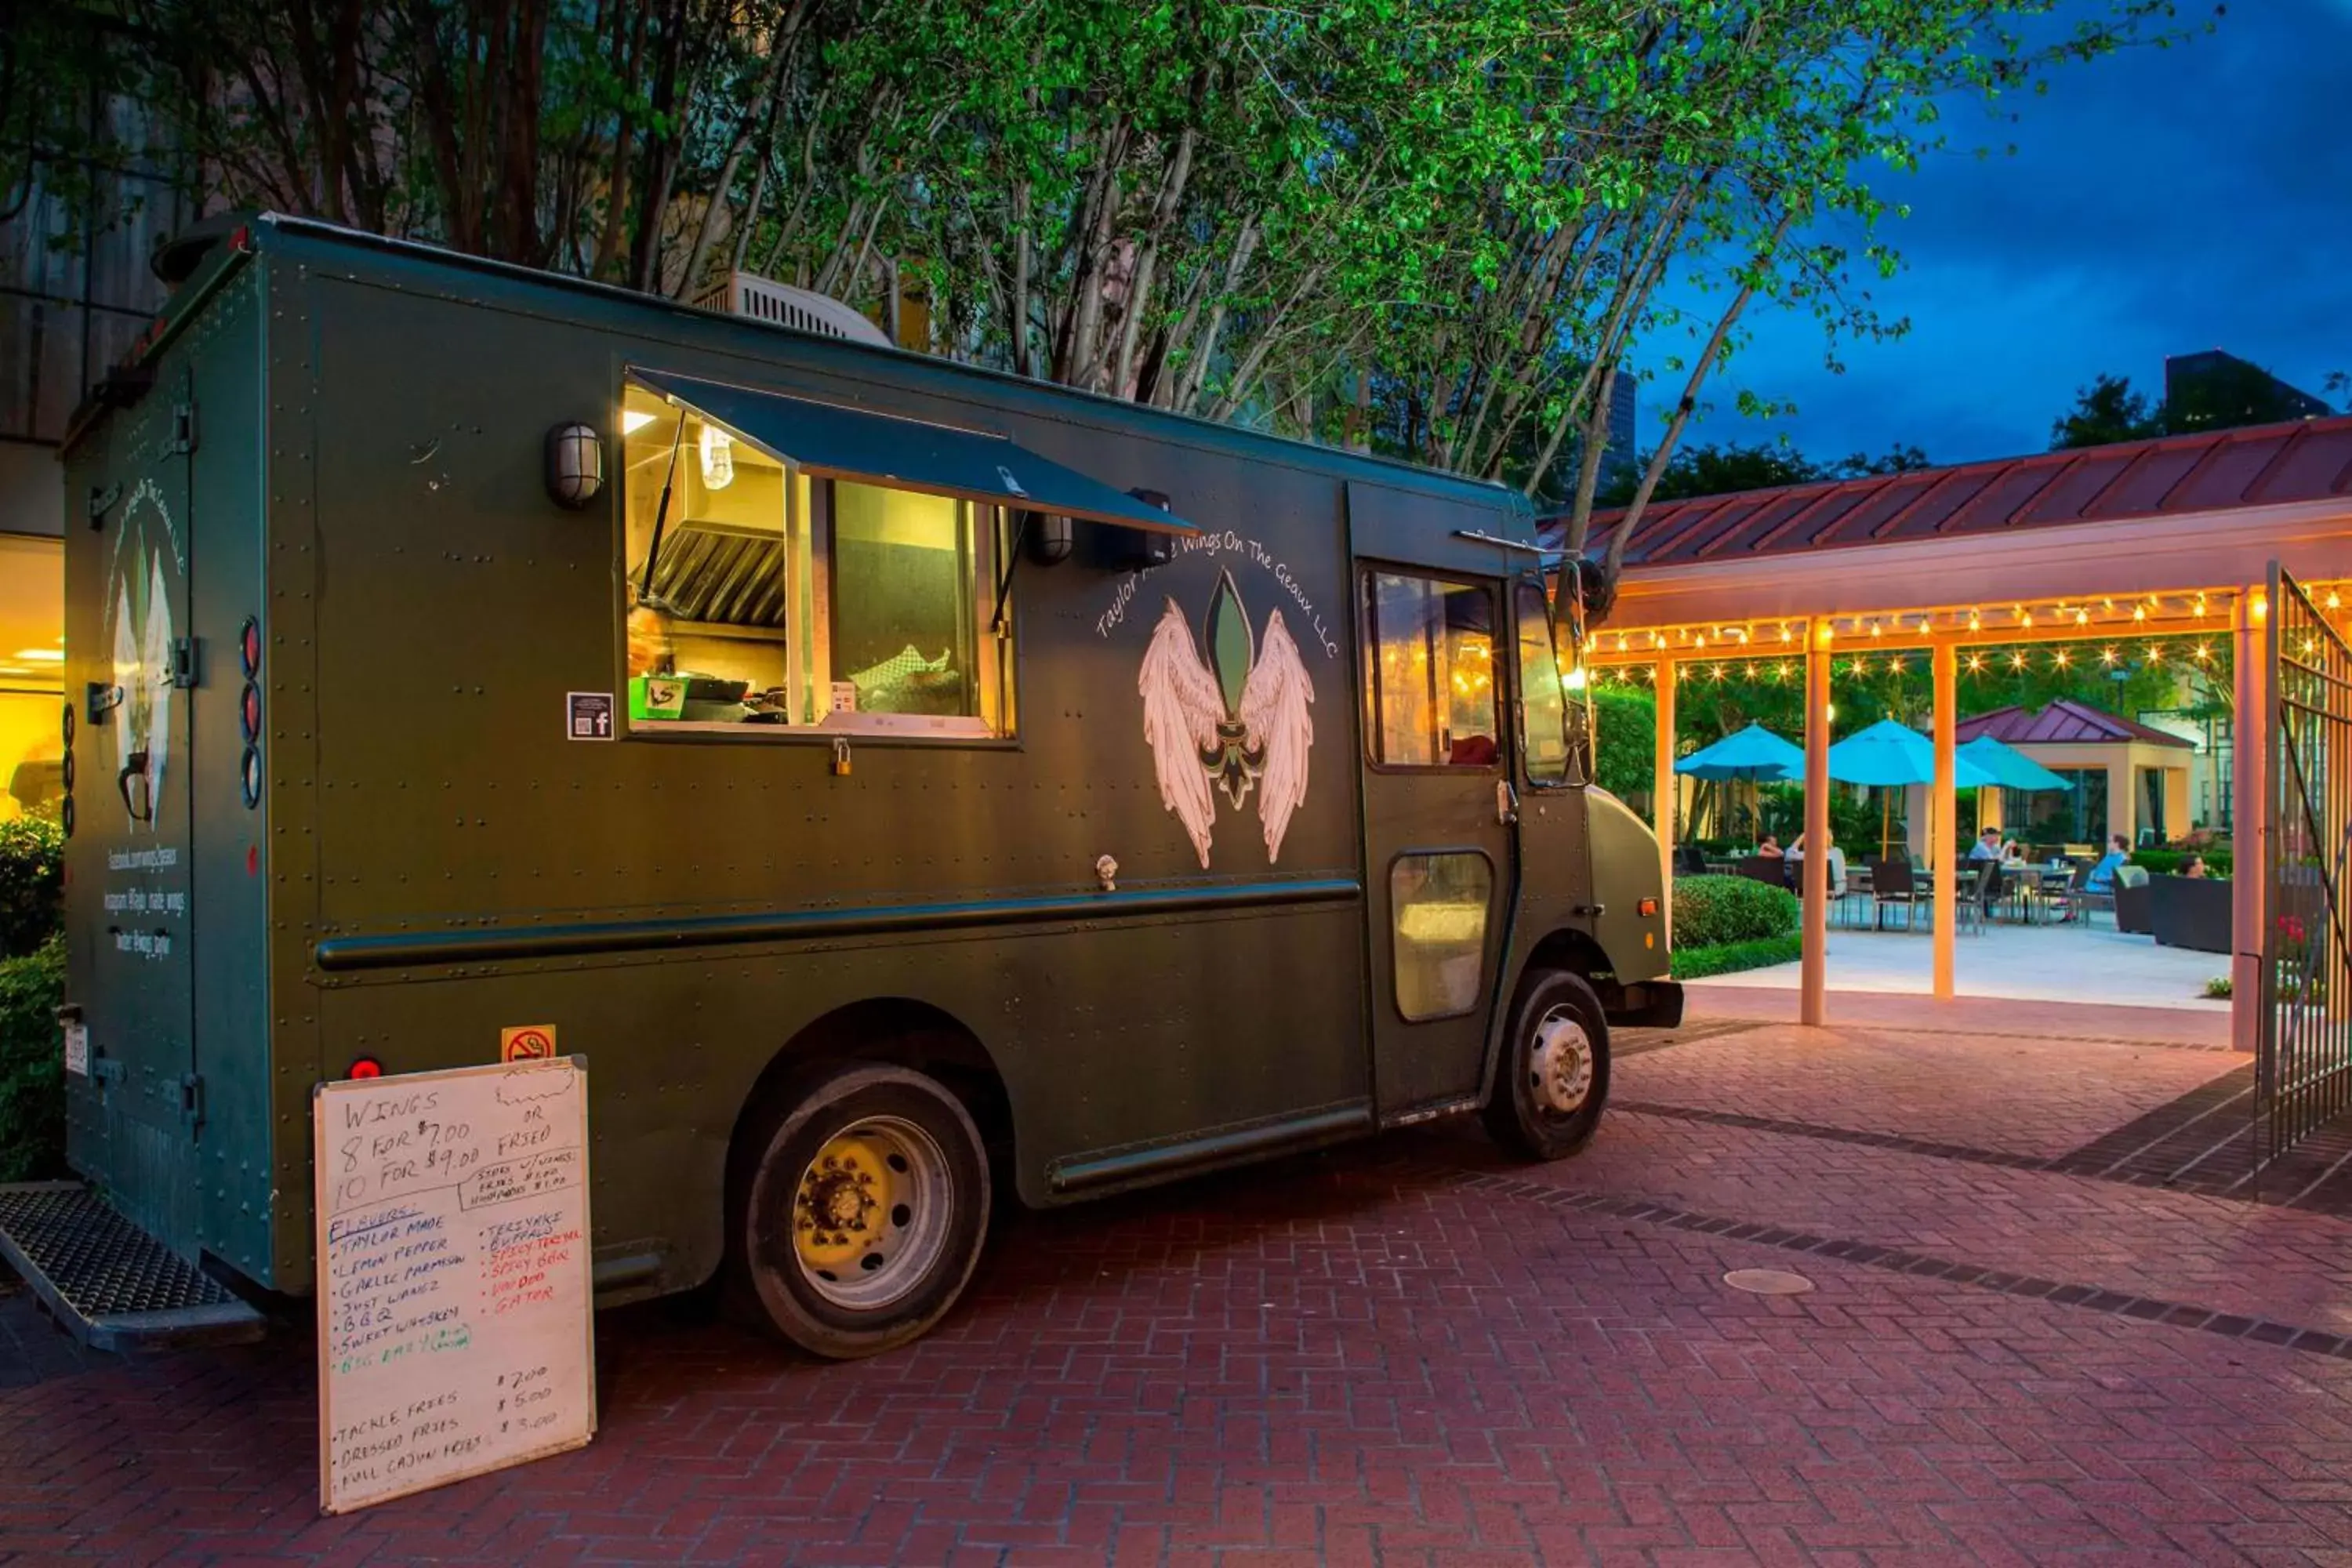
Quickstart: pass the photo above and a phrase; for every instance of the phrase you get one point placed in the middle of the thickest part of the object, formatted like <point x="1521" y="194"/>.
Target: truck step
<point x="108" y="1283"/>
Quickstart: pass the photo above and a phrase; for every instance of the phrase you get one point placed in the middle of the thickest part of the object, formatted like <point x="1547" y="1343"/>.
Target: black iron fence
<point x="2302" y="1067"/>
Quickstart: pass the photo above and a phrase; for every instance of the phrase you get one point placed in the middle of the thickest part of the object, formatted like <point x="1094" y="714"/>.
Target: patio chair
<point x="2065" y="899"/>
<point x="1892" y="886"/>
<point x="1968" y="896"/>
<point x="2191" y="912"/>
<point x="1688" y="861"/>
<point x="2133" y="900"/>
<point x="1765" y="868"/>
<point x="1990" y="889"/>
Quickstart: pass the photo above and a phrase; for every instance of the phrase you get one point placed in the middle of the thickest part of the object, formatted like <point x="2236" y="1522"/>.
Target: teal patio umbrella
<point x="1890" y="755"/>
<point x="2010" y="769"/>
<point x="1754" y="754"/>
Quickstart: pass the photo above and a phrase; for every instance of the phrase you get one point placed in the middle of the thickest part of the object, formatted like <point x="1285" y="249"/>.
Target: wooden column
<point x="1811" y="1002"/>
<point x="1943" y="810"/>
<point x="1663" y="791"/>
<point x="2249" y="728"/>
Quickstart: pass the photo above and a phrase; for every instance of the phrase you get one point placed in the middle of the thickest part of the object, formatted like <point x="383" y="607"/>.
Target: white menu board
<point x="454" y="1323"/>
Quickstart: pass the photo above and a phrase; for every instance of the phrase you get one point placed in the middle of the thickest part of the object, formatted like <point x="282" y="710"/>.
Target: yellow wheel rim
<point x="871" y="1212"/>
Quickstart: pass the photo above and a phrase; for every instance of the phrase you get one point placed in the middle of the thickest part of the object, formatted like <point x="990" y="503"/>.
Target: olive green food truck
<point x="899" y="780"/>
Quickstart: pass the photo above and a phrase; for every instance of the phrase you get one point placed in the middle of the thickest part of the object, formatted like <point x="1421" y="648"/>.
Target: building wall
<point x="2122" y="764"/>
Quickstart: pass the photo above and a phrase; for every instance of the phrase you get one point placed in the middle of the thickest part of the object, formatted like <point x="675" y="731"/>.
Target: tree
<point x="1894" y="460"/>
<point x="1433" y="227"/>
<point x="1714" y="470"/>
<point x="2225" y="395"/>
<point x="1730" y="468"/>
<point x="2106" y="412"/>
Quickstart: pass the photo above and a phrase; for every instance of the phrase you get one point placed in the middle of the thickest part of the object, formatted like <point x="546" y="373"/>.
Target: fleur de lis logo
<point x="1229" y="724"/>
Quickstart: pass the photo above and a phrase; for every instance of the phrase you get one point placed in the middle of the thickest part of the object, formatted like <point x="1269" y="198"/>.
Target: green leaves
<point x="1425" y="226"/>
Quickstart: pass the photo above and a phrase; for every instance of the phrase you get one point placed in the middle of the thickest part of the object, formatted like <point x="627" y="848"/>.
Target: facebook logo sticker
<point x="589" y="715"/>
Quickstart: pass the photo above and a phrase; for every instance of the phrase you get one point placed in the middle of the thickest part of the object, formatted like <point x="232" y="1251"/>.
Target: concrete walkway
<point x="2092" y="965"/>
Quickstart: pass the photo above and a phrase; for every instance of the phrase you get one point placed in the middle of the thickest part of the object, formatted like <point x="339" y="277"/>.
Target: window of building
<point x="2075" y="815"/>
<point x="1430" y="671"/>
<point x="1438" y="905"/>
<point x="32" y="666"/>
<point x="759" y="595"/>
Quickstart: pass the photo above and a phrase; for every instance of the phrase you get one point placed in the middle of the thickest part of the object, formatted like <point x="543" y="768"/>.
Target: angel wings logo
<point x="1234" y="723"/>
<point x="141" y="649"/>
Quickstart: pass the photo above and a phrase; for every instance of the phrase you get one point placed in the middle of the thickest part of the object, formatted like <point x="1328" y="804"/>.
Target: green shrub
<point x="1709" y="912"/>
<point x="2167" y="862"/>
<point x="32" y="1065"/>
<point x="1625" y="739"/>
<point x="1730" y="957"/>
<point x="2220" y="986"/>
<point x="32" y="883"/>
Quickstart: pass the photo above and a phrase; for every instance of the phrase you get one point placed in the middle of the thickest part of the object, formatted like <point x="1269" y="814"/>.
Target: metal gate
<point x="2302" y="1067"/>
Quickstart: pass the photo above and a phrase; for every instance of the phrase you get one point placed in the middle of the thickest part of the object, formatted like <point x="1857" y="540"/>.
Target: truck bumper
<point x="1650" y="1004"/>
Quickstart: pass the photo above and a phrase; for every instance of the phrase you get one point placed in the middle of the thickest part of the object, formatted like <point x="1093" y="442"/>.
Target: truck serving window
<point x="759" y="595"/>
<point x="1429" y="661"/>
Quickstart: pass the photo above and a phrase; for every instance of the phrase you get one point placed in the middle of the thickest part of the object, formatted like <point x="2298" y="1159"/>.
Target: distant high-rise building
<point x="2213" y="389"/>
<point x="1619" y="454"/>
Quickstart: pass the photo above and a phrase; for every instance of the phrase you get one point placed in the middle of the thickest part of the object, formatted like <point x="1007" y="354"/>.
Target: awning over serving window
<point x="854" y="443"/>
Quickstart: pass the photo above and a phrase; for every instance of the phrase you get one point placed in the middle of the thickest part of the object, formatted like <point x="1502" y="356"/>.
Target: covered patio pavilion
<point x="2145" y="540"/>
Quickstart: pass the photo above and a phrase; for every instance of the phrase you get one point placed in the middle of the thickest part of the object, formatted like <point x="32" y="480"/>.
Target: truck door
<point x="1555" y="747"/>
<point x="1440" y="865"/>
<point x="131" y="1098"/>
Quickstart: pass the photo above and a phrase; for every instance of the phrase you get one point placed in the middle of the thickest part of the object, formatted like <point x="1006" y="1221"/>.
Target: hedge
<point x="1730" y="957"/>
<point x="32" y="883"/>
<point x="32" y="1065"/>
<point x="2167" y="862"/>
<point x="1711" y="911"/>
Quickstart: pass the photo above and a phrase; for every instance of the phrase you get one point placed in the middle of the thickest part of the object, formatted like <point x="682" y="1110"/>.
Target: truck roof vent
<point x="781" y="304"/>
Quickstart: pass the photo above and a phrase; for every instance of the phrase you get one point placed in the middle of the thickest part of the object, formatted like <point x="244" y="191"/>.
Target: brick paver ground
<point x="1411" y="1351"/>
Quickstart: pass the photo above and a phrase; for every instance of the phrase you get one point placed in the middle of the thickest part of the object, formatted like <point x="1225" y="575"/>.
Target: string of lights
<point x="2185" y="650"/>
<point x="2191" y="611"/>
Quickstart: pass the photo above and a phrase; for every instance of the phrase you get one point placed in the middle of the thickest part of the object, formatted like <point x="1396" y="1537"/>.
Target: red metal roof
<point x="2063" y="723"/>
<point x="2217" y="471"/>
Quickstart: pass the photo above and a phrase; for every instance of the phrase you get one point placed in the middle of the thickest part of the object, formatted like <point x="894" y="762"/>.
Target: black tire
<point x="906" y="1194"/>
<point x="1523" y="1114"/>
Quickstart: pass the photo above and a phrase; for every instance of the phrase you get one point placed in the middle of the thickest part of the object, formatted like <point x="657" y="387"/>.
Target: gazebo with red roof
<point x="2179" y="534"/>
<point x="2144" y="774"/>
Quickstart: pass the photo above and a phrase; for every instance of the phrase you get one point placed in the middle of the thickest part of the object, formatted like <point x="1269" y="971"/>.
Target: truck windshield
<point x="1551" y="710"/>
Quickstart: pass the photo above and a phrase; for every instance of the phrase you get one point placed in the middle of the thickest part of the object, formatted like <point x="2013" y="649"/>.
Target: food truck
<point x="908" y="786"/>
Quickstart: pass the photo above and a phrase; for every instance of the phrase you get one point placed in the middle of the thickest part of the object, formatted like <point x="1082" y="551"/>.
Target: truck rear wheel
<point x="1554" y="1077"/>
<point x="867" y="1211"/>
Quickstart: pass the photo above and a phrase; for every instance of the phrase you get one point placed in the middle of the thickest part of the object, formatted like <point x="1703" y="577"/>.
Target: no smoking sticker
<point x="527" y="1043"/>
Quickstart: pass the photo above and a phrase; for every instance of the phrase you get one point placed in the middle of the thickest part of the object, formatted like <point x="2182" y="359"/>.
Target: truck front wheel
<point x="866" y="1212"/>
<point x="1554" y="1077"/>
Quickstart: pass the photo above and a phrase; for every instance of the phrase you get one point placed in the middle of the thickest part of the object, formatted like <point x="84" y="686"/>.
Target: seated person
<point x="1769" y="849"/>
<point x="1796" y="862"/>
<point x="2194" y="867"/>
<point x="1987" y="846"/>
<point x="2013" y="853"/>
<point x="1472" y="752"/>
<point x="2103" y="874"/>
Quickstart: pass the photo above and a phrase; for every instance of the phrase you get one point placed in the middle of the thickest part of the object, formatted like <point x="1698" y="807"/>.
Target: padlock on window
<point x="840" y="757"/>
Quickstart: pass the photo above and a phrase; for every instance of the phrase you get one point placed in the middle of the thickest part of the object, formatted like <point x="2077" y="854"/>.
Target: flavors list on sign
<point x="455" y="1330"/>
